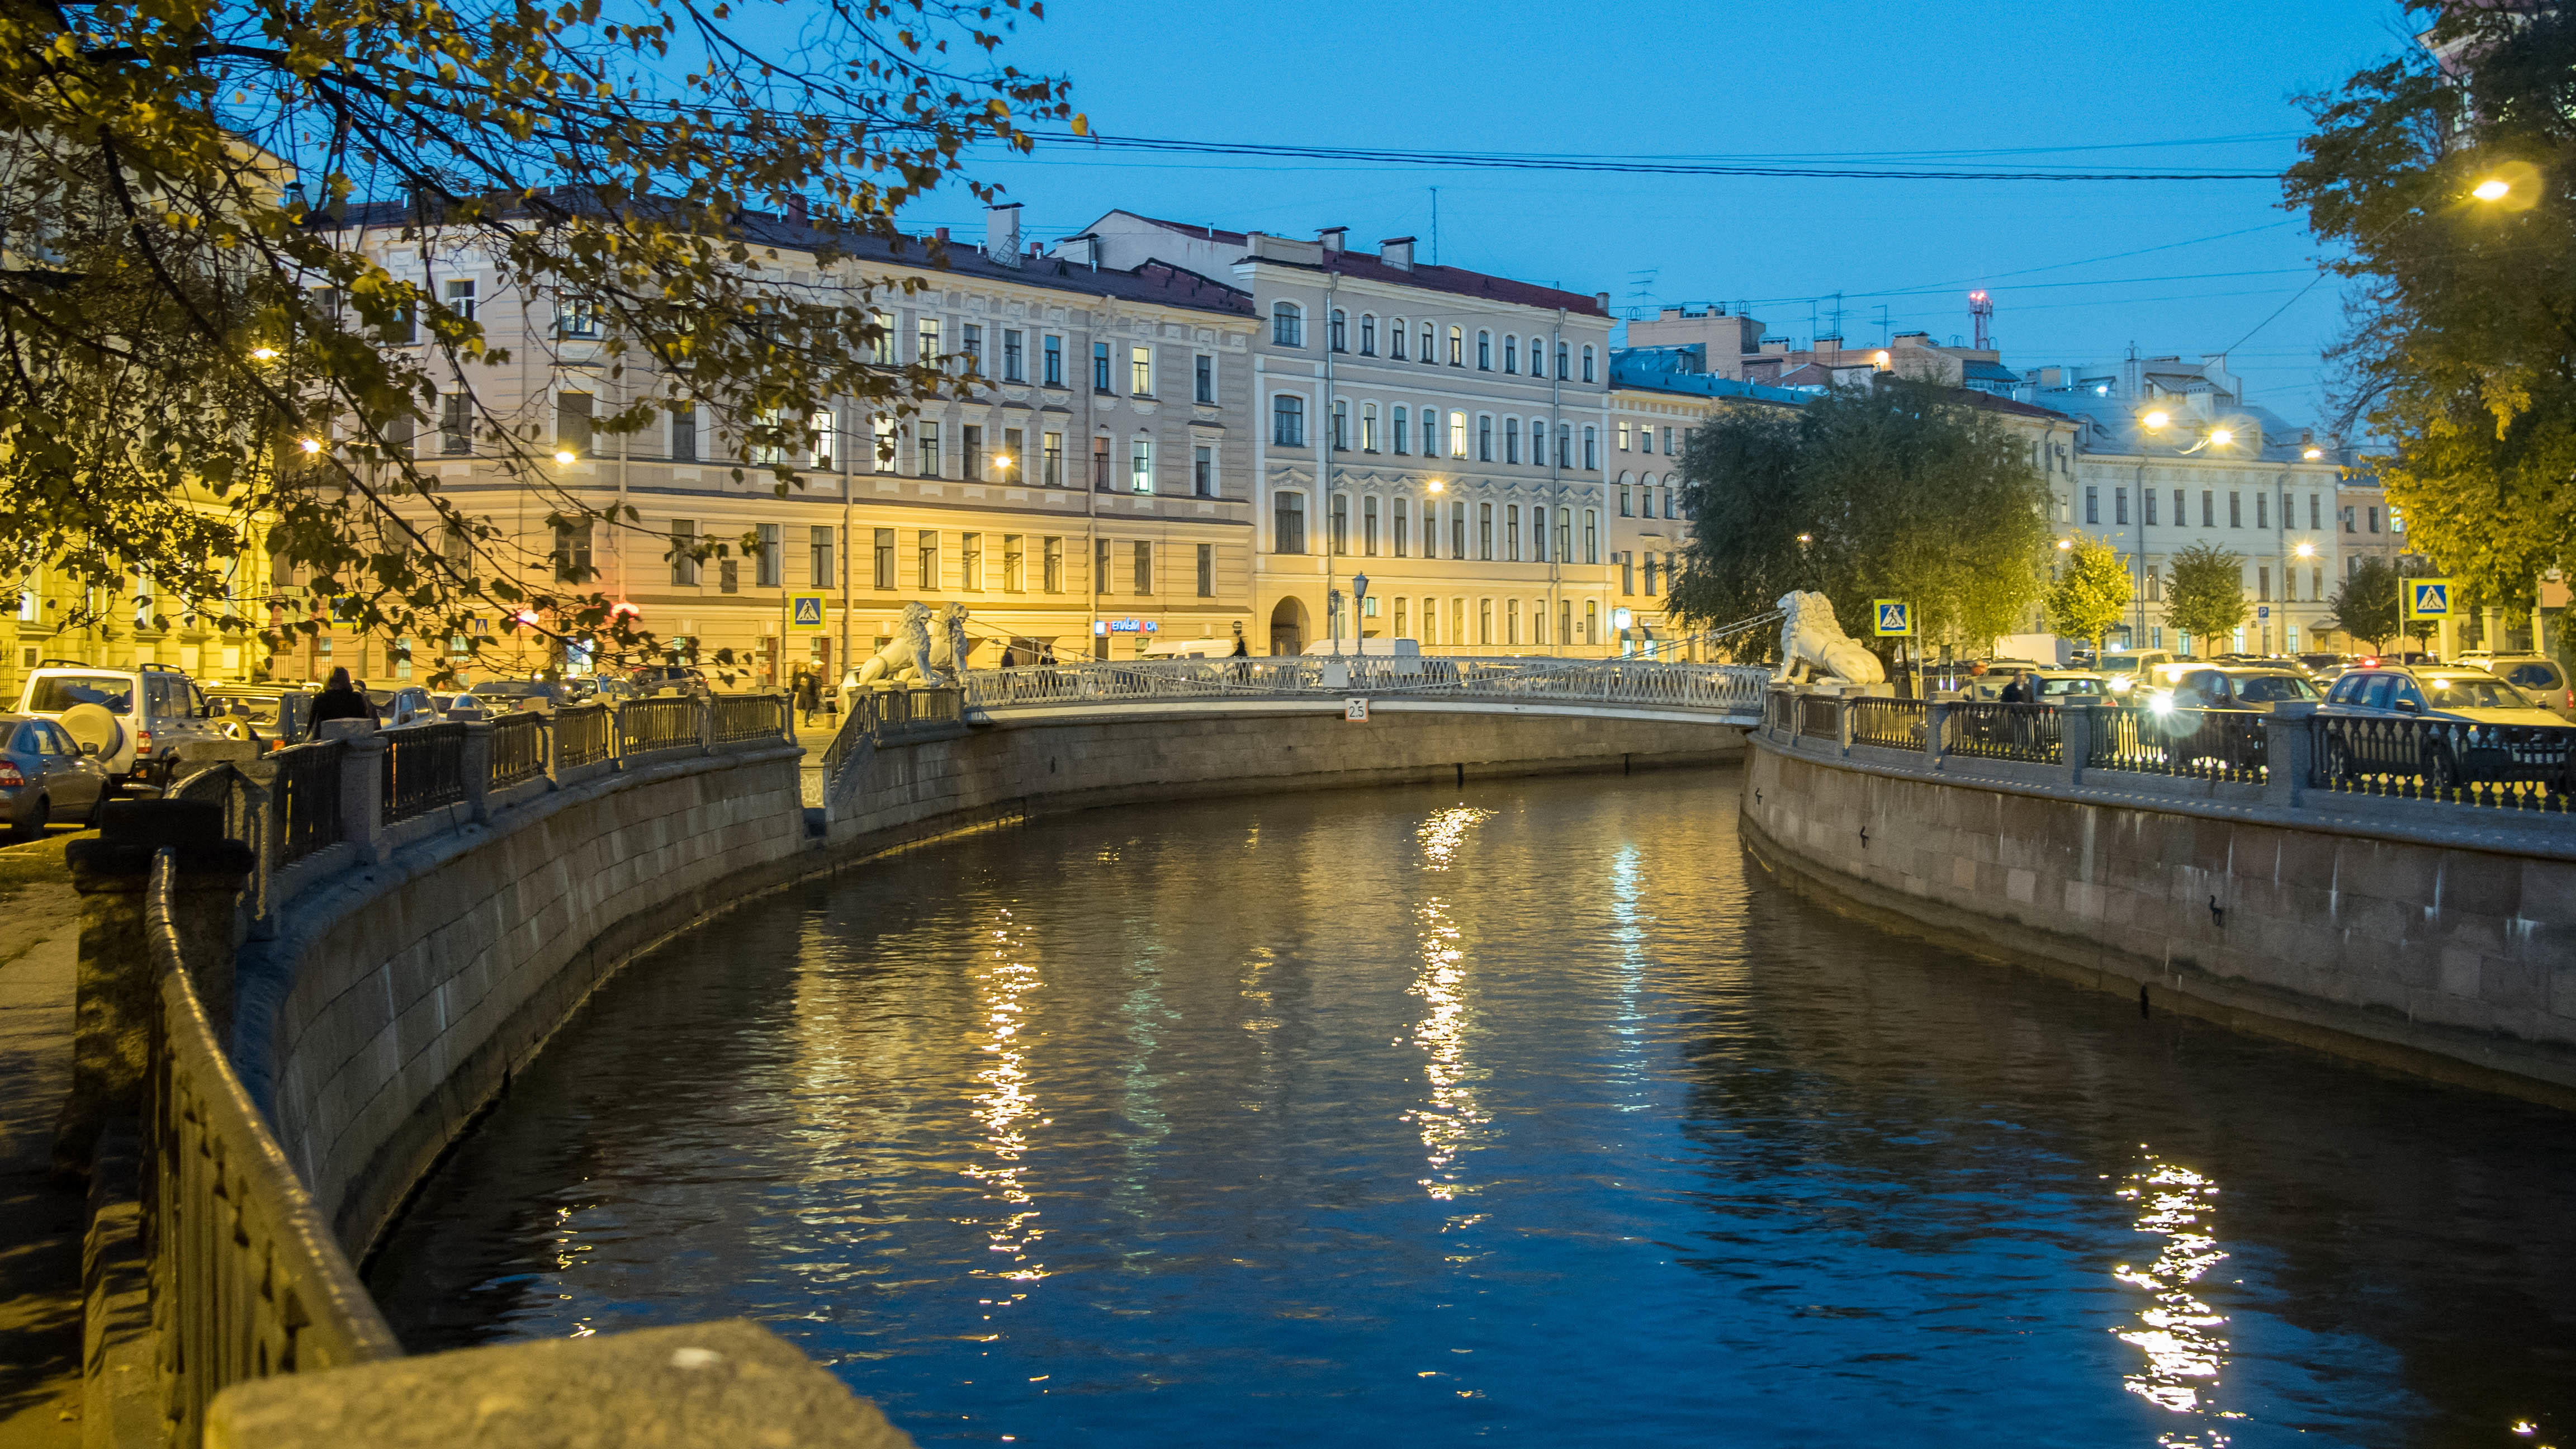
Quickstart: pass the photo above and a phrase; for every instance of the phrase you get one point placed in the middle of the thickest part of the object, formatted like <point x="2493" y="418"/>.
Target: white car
<point x="136" y="718"/>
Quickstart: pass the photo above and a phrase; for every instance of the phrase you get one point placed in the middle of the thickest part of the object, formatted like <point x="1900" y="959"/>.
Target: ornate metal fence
<point x="1718" y="688"/>
<point x="749" y="717"/>
<point x="584" y="735"/>
<point x="2203" y="744"/>
<point x="1891" y="724"/>
<point x="424" y="769"/>
<point x="667" y="722"/>
<point x="1819" y="719"/>
<point x="247" y="1280"/>
<point x="2004" y="732"/>
<point x="307" y="791"/>
<point x="518" y="749"/>
<point x="2505" y="767"/>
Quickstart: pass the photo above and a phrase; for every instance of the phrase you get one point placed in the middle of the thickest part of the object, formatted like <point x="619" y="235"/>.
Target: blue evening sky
<point x="1822" y="77"/>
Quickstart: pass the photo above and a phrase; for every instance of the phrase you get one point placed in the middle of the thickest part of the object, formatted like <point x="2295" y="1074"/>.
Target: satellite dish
<point x="90" y="724"/>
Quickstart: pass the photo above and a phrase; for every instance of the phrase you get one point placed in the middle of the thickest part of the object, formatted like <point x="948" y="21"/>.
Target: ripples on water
<point x="1420" y="1116"/>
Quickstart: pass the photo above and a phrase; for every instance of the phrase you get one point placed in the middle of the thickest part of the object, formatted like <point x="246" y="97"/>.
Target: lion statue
<point x="1810" y="639"/>
<point x="906" y="659"/>
<point x="949" y="645"/>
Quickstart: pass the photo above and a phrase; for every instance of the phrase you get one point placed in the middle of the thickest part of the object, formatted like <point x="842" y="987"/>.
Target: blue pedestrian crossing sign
<point x="2428" y="598"/>
<point x="805" y="611"/>
<point x="1895" y="617"/>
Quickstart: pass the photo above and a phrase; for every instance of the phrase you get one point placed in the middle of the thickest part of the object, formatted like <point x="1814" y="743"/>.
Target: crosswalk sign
<point x="805" y="611"/>
<point x="1895" y="617"/>
<point x="2428" y="598"/>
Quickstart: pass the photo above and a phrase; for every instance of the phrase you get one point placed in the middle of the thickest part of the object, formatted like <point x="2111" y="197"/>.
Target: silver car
<point x="45" y="776"/>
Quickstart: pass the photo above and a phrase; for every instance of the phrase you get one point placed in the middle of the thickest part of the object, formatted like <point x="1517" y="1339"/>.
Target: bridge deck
<point x="1598" y="688"/>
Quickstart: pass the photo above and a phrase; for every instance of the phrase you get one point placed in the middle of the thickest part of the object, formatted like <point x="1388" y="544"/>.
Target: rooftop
<point x="1369" y="267"/>
<point x="1682" y="370"/>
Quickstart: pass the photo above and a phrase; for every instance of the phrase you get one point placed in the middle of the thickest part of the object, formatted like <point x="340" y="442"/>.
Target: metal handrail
<point x="518" y="749"/>
<point x="424" y="768"/>
<point x="307" y="790"/>
<point x="2504" y="767"/>
<point x="247" y="1279"/>
<point x="584" y="734"/>
<point x="665" y="723"/>
<point x="2201" y="744"/>
<point x="1719" y="688"/>
<point x="749" y="717"/>
<point x="2004" y="732"/>
<point x="1890" y="724"/>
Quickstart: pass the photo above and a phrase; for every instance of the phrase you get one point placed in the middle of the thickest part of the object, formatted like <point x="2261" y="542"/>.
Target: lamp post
<point x="1359" y="612"/>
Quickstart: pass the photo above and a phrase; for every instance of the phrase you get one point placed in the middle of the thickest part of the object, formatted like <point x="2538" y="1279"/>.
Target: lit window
<point x="1140" y="371"/>
<point x="1457" y="347"/>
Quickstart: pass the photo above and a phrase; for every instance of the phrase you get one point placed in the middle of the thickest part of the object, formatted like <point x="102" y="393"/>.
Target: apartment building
<point x="1085" y="489"/>
<point x="1438" y="431"/>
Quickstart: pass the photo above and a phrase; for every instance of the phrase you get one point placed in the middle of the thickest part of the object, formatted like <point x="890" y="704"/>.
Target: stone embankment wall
<point x="2450" y="962"/>
<point x="397" y="998"/>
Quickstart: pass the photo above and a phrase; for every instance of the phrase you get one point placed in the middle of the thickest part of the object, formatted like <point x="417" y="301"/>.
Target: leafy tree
<point x="2205" y="593"/>
<point x="199" y="359"/>
<point x="2462" y="348"/>
<point x="1902" y="490"/>
<point x="2091" y="591"/>
<point x="2367" y="605"/>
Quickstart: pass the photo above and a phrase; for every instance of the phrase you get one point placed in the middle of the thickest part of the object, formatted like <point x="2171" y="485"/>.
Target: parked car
<point x="46" y="776"/>
<point x="2205" y="714"/>
<point x="2486" y="730"/>
<point x="2121" y="670"/>
<point x="2327" y="668"/>
<point x="500" y="696"/>
<point x="402" y="708"/>
<point x="271" y="716"/>
<point x="669" y="679"/>
<point x="137" y="718"/>
<point x="2541" y="678"/>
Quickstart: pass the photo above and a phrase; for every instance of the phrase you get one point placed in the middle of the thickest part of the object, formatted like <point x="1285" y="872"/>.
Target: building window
<point x="1204" y="384"/>
<point x="1368" y="427"/>
<point x="1140" y="371"/>
<point x="925" y="342"/>
<point x="2092" y="506"/>
<point x="1457" y="347"/>
<point x="1650" y="575"/>
<point x="926" y="561"/>
<point x="1672" y="500"/>
<point x="1052" y="459"/>
<point x="1339" y="512"/>
<point x="2374" y="518"/>
<point x="1484" y="351"/>
<point x="571" y="558"/>
<point x="1511" y="533"/>
<point x="1591" y="621"/>
<point x="2120" y="507"/>
<point x="684" y="432"/>
<point x="1511" y="440"/>
<point x="1052" y="362"/>
<point x="1013" y="461"/>
<point x="2148" y="497"/>
<point x="1401" y="442"/>
<point x="1400" y="631"/>
<point x="1485" y="532"/>
<point x="1430" y="346"/>
<point x="1140" y="466"/>
<point x="1207" y="571"/>
<point x="1341" y="425"/>
<point x="1341" y="331"/>
<point x="1013" y="367"/>
<point x="2313" y="515"/>
<point x="1457" y="435"/>
<point x="2263" y="590"/>
<point x="1014" y="564"/>
<point x="1623" y="437"/>
<point x="1395" y="339"/>
<point x="1100" y="465"/>
<point x="2208" y="509"/>
<point x="1203" y="472"/>
<point x="822" y="566"/>
<point x="2263" y="509"/>
<point x="455" y="424"/>
<point x="1511" y="623"/>
<point x="1100" y="367"/>
<point x="1368" y="526"/>
<point x="1458" y="530"/>
<point x="1287" y="325"/>
<point x="970" y="562"/>
<point x="884" y="551"/>
<point x="729" y="576"/>
<point x="2235" y="509"/>
<point x="1403" y="516"/>
<point x="684" y="561"/>
<point x="460" y="298"/>
<point x="927" y="434"/>
<point x="1511" y="353"/>
<point x="1627" y="571"/>
<point x="1288" y="421"/>
<point x="1565" y="535"/>
<point x="1144" y="567"/>
<point x="1592" y="448"/>
<point x="1587" y="362"/>
<point x="972" y="349"/>
<point x="1627" y="501"/>
<point x="1484" y="621"/>
<point x="1289" y="523"/>
<point x="1561" y="374"/>
<point x="1054" y="565"/>
<point x="1591" y="536"/>
<point x="1564" y="445"/>
<point x="1484" y="437"/>
<point x="1099" y="566"/>
<point x="970" y="453"/>
<point x="1368" y="334"/>
<point x="1538" y="535"/>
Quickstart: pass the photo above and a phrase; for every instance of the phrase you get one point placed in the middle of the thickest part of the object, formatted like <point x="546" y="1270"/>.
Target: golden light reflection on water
<point x="2178" y="1332"/>
<point x="1452" y="1120"/>
<point x="1005" y="1107"/>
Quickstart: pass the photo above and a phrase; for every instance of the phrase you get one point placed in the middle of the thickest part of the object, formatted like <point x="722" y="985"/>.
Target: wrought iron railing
<point x="667" y="722"/>
<point x="741" y="717"/>
<point x="1820" y="719"/>
<point x="2004" y="732"/>
<point x="1719" y="688"/>
<point x="584" y="735"/>
<point x="307" y="792"/>
<point x="1890" y="724"/>
<point x="518" y="748"/>
<point x="247" y="1279"/>
<point x="2201" y="744"/>
<point x="2505" y="767"/>
<point x="424" y="769"/>
<point x="1780" y="715"/>
<point x="249" y="815"/>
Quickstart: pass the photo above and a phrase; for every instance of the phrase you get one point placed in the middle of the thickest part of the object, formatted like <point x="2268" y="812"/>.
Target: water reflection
<point x="1007" y="1108"/>
<point x="2177" y="1331"/>
<point x="1452" y="1118"/>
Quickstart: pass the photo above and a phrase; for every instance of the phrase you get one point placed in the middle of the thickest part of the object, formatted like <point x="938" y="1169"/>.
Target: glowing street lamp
<point x="2313" y="454"/>
<point x="309" y="445"/>
<point x="2065" y="545"/>
<point x="567" y="456"/>
<point x="263" y="354"/>
<point x="1437" y="486"/>
<point x="2305" y="550"/>
<point x="2494" y="188"/>
<point x="2221" y="436"/>
<point x="2157" y="419"/>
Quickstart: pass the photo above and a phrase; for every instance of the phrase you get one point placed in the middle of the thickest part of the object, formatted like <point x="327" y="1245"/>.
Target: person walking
<point x="339" y="699"/>
<point x="809" y="694"/>
<point x="1009" y="659"/>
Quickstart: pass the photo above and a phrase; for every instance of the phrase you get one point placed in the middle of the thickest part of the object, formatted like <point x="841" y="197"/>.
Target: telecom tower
<point x="1981" y="319"/>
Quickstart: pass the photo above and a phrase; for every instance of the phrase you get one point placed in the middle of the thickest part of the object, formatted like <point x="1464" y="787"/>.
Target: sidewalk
<point x="40" y="1224"/>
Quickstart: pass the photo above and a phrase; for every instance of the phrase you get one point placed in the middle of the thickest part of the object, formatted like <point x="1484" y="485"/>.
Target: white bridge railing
<point x="1719" y="689"/>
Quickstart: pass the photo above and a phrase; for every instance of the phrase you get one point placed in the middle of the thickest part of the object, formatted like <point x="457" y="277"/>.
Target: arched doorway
<point x="1288" y="627"/>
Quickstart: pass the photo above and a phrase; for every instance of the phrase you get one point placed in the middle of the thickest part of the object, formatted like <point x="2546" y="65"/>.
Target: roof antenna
<point x="1435" y="226"/>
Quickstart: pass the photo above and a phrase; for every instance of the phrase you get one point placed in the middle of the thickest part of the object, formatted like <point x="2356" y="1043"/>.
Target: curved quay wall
<point x="396" y="998"/>
<point x="2431" y="938"/>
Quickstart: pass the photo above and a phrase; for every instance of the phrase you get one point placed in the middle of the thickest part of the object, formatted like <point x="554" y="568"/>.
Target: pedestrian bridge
<point x="1727" y="694"/>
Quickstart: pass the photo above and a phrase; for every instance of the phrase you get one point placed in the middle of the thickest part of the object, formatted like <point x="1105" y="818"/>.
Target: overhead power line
<point x="1632" y="165"/>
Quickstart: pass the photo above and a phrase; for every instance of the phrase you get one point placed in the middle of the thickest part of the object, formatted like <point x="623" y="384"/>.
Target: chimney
<point x="1331" y="237"/>
<point x="1396" y="252"/>
<point x="796" y="209"/>
<point x="943" y="236"/>
<point x="1002" y="234"/>
<point x="1829" y="347"/>
<point x="1602" y="301"/>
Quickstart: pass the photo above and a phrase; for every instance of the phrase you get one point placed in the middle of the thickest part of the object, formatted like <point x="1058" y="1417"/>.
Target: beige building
<point x="1091" y="494"/>
<point x="1441" y="432"/>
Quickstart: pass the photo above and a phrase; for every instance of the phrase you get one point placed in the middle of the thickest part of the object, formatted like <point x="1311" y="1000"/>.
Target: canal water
<point x="1533" y="1111"/>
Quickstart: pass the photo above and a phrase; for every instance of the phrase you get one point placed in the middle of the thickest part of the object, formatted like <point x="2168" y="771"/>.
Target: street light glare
<point x="263" y="354"/>
<point x="565" y="456"/>
<point x="1437" y="485"/>
<point x="2313" y="454"/>
<point x="2065" y="544"/>
<point x="2305" y="550"/>
<point x="2222" y="437"/>
<point x="2157" y="419"/>
<point x="2491" y="189"/>
<point x="309" y="445"/>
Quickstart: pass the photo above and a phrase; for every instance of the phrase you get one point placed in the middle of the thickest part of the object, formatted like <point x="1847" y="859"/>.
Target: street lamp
<point x="2494" y="188"/>
<point x="566" y="456"/>
<point x="1359" y="613"/>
